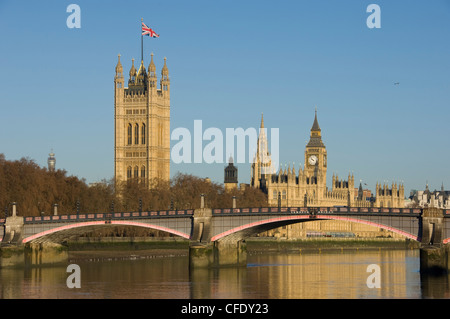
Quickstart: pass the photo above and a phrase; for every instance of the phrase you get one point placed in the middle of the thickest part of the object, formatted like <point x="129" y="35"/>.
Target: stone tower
<point x="231" y="176"/>
<point x="141" y="124"/>
<point x="51" y="162"/>
<point x="315" y="169"/>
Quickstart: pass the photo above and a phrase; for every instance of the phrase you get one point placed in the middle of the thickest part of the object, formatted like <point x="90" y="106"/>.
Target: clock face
<point x="312" y="160"/>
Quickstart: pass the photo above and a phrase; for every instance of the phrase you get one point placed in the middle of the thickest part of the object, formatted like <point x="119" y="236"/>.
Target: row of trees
<point x="35" y="190"/>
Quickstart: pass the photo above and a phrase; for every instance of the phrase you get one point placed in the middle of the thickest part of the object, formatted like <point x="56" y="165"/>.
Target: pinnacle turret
<point x="165" y="70"/>
<point x="133" y="72"/>
<point x="152" y="67"/>
<point x="119" y="68"/>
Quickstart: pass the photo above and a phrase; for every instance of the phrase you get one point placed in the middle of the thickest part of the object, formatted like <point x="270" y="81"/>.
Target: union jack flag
<point x="147" y="31"/>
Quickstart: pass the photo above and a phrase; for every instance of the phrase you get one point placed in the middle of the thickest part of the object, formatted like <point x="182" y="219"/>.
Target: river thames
<point x="276" y="275"/>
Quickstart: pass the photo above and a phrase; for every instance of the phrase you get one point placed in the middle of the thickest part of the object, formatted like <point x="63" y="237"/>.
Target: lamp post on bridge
<point x="78" y="207"/>
<point x="279" y="201"/>
<point x="14" y="209"/>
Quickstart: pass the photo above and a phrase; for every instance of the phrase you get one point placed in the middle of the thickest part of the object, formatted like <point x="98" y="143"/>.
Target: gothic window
<point x="136" y="134"/>
<point x="143" y="171"/>
<point x="129" y="172"/>
<point x="274" y="195"/>
<point x="283" y="195"/>
<point x="130" y="131"/>
<point x="136" y="172"/>
<point x="143" y="134"/>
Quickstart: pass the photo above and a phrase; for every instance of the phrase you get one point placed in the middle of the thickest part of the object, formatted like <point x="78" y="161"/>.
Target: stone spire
<point x="119" y="68"/>
<point x="165" y="82"/>
<point x="152" y="67"/>
<point x="165" y="70"/>
<point x="142" y="74"/>
<point x="315" y="137"/>
<point x="133" y="72"/>
<point x="262" y="166"/>
<point x="315" y="126"/>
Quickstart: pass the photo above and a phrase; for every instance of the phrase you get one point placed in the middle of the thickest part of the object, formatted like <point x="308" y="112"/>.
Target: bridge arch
<point x="58" y="234"/>
<point x="249" y="229"/>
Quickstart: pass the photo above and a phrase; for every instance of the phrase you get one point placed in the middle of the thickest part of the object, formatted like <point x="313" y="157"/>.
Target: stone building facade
<point x="438" y="199"/>
<point x="142" y="124"/>
<point x="308" y="186"/>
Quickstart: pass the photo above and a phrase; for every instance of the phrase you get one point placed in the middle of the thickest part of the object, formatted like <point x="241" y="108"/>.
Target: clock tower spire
<point x="316" y="160"/>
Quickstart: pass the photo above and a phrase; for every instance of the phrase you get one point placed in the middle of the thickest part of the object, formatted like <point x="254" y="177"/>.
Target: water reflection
<point x="435" y="286"/>
<point x="267" y="276"/>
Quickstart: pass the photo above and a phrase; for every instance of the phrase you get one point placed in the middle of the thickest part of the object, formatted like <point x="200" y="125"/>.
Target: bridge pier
<point x="433" y="254"/>
<point x="42" y="254"/>
<point x="434" y="259"/>
<point x="203" y="253"/>
<point x="230" y="253"/>
<point x="33" y="255"/>
<point x="217" y="254"/>
<point x="13" y="228"/>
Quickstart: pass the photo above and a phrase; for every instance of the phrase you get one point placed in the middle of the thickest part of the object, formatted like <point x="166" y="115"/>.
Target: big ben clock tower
<point x="316" y="161"/>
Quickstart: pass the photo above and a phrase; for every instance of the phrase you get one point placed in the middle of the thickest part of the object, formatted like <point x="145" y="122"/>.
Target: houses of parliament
<point x="142" y="151"/>
<point x="308" y="186"/>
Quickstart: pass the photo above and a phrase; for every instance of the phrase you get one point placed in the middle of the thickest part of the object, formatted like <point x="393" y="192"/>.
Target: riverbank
<point x="258" y="245"/>
<point x="124" y="248"/>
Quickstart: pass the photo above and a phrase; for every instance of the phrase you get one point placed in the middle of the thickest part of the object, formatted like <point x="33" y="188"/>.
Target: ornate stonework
<point x="141" y="124"/>
<point x="308" y="185"/>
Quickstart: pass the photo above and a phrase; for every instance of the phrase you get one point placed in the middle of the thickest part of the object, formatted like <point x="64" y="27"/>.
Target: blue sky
<point x="230" y="61"/>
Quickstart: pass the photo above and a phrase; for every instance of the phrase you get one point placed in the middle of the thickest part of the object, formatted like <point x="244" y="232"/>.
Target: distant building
<point x="231" y="176"/>
<point x="262" y="163"/>
<point x="426" y="198"/>
<point x="51" y="162"/>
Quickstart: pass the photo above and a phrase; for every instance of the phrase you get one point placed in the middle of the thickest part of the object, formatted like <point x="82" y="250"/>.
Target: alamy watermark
<point x="374" y="279"/>
<point x="74" y="279"/>
<point x="212" y="145"/>
<point x="74" y="19"/>
<point x="374" y="19"/>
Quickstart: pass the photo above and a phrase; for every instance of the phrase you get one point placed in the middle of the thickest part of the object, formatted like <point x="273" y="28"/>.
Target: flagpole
<point x="142" y="42"/>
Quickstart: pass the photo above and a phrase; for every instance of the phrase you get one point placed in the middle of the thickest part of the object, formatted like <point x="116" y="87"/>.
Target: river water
<point x="275" y="275"/>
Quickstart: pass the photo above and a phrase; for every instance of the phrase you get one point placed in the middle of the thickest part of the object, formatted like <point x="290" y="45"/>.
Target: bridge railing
<point x="316" y="210"/>
<point x="108" y="216"/>
<point x="222" y="211"/>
